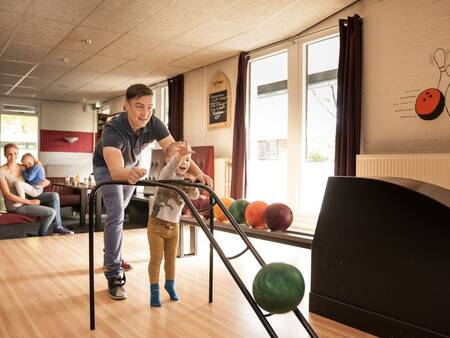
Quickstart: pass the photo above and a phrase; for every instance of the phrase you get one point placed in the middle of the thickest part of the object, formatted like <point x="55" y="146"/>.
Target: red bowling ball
<point x="278" y="216"/>
<point x="430" y="104"/>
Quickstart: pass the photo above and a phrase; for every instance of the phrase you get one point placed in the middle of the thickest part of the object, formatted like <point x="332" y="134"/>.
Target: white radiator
<point x="222" y="177"/>
<point x="431" y="168"/>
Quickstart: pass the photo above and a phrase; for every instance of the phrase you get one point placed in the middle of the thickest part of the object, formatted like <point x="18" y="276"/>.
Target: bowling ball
<point x="278" y="216"/>
<point x="254" y="214"/>
<point x="278" y="287"/>
<point x="237" y="209"/>
<point x="200" y="203"/>
<point x="218" y="214"/>
<point x="430" y="104"/>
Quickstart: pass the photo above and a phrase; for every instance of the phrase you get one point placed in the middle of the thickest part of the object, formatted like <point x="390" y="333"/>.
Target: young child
<point x="163" y="223"/>
<point x="34" y="176"/>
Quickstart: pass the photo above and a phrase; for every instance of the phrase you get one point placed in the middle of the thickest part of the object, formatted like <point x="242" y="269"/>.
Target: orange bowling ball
<point x="254" y="214"/>
<point x="218" y="214"/>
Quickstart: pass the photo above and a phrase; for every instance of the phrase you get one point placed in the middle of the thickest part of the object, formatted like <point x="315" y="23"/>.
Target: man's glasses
<point x="143" y="108"/>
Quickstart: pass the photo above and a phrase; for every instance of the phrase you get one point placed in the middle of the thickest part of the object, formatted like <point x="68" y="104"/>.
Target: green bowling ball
<point x="237" y="209"/>
<point x="278" y="287"/>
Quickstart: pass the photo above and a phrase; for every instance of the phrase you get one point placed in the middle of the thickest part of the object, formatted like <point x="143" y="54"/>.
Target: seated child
<point x="163" y="223"/>
<point x="34" y="176"/>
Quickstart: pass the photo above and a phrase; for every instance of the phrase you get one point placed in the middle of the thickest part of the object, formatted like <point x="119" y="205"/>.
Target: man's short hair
<point x="138" y="90"/>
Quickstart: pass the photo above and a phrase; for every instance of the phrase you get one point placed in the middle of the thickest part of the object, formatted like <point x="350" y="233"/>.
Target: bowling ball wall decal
<point x="430" y="104"/>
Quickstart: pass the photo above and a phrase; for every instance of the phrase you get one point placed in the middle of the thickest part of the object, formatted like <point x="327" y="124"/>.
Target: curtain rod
<point x="302" y="33"/>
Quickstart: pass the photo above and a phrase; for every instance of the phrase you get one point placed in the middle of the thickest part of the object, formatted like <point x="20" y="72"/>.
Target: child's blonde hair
<point x="29" y="155"/>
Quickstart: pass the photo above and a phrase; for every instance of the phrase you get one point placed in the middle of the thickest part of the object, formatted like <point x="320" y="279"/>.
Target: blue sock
<point x="170" y="288"/>
<point x="154" y="295"/>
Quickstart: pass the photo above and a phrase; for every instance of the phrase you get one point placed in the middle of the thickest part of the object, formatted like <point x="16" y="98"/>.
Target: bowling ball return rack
<point x="209" y="232"/>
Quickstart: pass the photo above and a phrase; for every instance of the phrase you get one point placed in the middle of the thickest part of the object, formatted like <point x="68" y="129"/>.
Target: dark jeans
<point x="49" y="212"/>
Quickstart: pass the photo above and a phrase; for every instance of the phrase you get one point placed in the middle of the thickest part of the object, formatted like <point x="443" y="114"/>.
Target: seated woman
<point x="48" y="215"/>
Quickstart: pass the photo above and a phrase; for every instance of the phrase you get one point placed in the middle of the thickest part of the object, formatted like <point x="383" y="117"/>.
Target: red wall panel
<point x="53" y="140"/>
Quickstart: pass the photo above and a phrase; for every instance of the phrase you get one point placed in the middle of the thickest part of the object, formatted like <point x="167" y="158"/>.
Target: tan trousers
<point x="163" y="240"/>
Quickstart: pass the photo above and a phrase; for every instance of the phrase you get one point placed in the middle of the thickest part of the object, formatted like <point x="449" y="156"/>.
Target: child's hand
<point x="183" y="149"/>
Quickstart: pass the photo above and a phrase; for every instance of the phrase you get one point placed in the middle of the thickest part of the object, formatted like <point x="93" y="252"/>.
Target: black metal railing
<point x="209" y="232"/>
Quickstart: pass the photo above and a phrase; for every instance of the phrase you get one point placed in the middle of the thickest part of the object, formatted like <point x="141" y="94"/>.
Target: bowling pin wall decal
<point x="433" y="101"/>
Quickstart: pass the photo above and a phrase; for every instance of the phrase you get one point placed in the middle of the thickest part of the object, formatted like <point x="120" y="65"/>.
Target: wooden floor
<point x="44" y="293"/>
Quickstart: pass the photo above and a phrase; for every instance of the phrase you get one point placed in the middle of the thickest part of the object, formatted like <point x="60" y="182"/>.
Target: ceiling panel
<point x="254" y="12"/>
<point x="71" y="11"/>
<point x="204" y="6"/>
<point x="201" y="36"/>
<point x="65" y="58"/>
<point x="99" y="38"/>
<point x="169" y="23"/>
<point x="129" y="46"/>
<point x="42" y="32"/>
<point x="15" y="67"/>
<point x="9" y="80"/>
<point x="120" y="16"/>
<point x="247" y="41"/>
<point x="168" y="71"/>
<point x="302" y="15"/>
<point x="25" y="91"/>
<point x="24" y="52"/>
<point x="198" y="59"/>
<point x="101" y="64"/>
<point x="8" y="22"/>
<point x="74" y="79"/>
<point x="109" y="79"/>
<point x="4" y="89"/>
<point x="49" y="72"/>
<point x="134" y="69"/>
<point x="166" y="52"/>
<point x="14" y="5"/>
<point x="38" y="82"/>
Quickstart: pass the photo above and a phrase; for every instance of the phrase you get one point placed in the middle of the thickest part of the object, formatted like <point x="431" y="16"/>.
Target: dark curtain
<point x="238" y="171"/>
<point x="348" y="124"/>
<point x="176" y="106"/>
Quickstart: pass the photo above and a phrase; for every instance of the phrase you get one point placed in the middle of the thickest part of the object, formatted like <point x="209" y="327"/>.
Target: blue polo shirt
<point x="118" y="134"/>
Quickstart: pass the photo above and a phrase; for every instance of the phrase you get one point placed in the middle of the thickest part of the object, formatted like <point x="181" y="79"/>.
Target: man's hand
<point x="34" y="202"/>
<point x="205" y="179"/>
<point x="135" y="174"/>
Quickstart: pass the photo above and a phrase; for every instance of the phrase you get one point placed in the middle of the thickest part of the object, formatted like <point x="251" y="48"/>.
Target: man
<point x="116" y="157"/>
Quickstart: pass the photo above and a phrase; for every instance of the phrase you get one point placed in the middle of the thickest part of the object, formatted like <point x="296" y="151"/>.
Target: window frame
<point x="297" y="100"/>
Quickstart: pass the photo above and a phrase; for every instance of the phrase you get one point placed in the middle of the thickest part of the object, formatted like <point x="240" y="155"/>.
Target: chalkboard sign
<point x="219" y="101"/>
<point x="218" y="107"/>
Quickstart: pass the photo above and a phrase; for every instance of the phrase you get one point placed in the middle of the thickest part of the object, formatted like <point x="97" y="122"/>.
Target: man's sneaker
<point x="116" y="287"/>
<point x="126" y="266"/>
<point x="62" y="231"/>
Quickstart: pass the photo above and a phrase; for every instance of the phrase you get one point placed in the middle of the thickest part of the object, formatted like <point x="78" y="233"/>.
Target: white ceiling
<point x="133" y="41"/>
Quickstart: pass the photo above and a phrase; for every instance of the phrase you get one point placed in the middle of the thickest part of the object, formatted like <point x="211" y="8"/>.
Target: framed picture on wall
<point x="219" y="102"/>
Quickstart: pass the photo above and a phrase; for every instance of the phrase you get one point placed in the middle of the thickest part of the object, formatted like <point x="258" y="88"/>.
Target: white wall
<point x="67" y="116"/>
<point x="399" y="39"/>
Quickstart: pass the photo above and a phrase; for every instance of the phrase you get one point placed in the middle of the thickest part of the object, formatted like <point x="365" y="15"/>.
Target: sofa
<point x="14" y="225"/>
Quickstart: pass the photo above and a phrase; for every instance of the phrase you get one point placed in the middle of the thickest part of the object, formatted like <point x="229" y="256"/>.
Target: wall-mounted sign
<point x="219" y="102"/>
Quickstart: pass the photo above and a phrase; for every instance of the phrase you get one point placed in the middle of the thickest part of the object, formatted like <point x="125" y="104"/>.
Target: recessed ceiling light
<point x="87" y="42"/>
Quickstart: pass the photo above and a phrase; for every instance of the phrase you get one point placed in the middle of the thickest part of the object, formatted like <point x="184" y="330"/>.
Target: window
<point x="268" y="117"/>
<point x="21" y="129"/>
<point x="291" y="124"/>
<point x="320" y="123"/>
